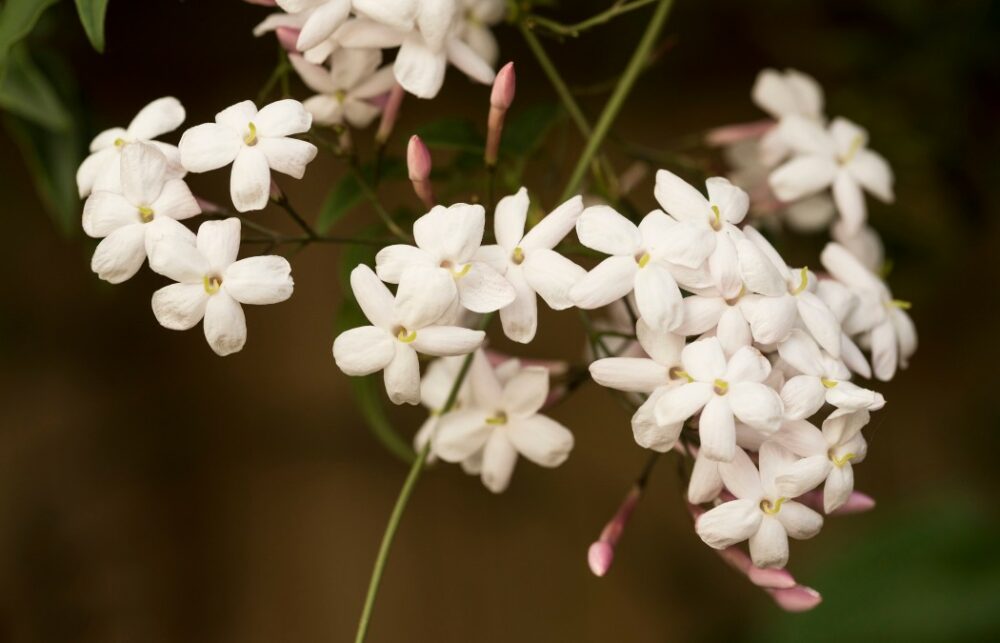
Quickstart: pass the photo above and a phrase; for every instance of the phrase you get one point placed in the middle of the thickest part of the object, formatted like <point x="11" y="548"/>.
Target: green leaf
<point x="346" y="194"/>
<point x="526" y="130"/>
<point x="17" y="19"/>
<point x="452" y="134"/>
<point x="26" y="92"/>
<point x="92" y="17"/>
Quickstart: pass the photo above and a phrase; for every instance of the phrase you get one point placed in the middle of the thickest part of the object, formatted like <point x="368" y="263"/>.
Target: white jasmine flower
<point x="427" y="42"/>
<point x="842" y="302"/>
<point x="101" y="170"/>
<point x="148" y="205"/>
<point x="706" y="313"/>
<point x="640" y="262"/>
<point x="345" y="91"/>
<point x="529" y="262"/>
<point x="324" y="16"/>
<point x="865" y="244"/>
<point x="212" y="283"/>
<point x="782" y="296"/>
<point x="837" y="158"/>
<point x="708" y="230"/>
<point x="722" y="391"/>
<point x="822" y="379"/>
<point x="504" y="423"/>
<point x="446" y="262"/>
<point x="477" y="16"/>
<point x="783" y="94"/>
<point x="400" y="329"/>
<point x="255" y="142"/>
<point x="881" y="319"/>
<point x="653" y="376"/>
<point x="763" y="511"/>
<point x="435" y="387"/>
<point x="827" y="455"/>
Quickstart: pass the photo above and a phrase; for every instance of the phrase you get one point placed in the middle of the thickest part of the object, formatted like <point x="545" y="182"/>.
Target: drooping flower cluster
<point x="337" y="48"/>
<point x="136" y="196"/>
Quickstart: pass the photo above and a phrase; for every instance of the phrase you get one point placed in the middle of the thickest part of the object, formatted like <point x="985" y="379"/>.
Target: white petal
<point x="906" y="334"/>
<point x="756" y="405"/>
<point x="665" y="348"/>
<point x="225" y="325"/>
<point x="120" y="255"/>
<point x="843" y="425"/>
<point x="802" y="396"/>
<point x="159" y="117"/>
<point x="176" y="201"/>
<point x="209" y="147"/>
<point x="839" y="486"/>
<point x="483" y="290"/>
<point x="259" y="280"/>
<point x="469" y="62"/>
<point x="143" y="169"/>
<point x="453" y="233"/>
<point x="802" y="177"/>
<point x="850" y="201"/>
<point x="424" y="295"/>
<point x="377" y="84"/>
<point x="801" y="438"/>
<point x="724" y="266"/>
<point x="717" y="429"/>
<point x="688" y="244"/>
<point x="508" y="219"/>
<point x="395" y="13"/>
<point x="774" y="94"/>
<point x="444" y="341"/>
<point x="680" y="199"/>
<point x="250" y="183"/>
<point x="106" y="140"/>
<point x="238" y="117"/>
<point x="554" y="227"/>
<point x="845" y="395"/>
<point x="402" y="375"/>
<point x="733" y="331"/>
<point x="92" y="168"/>
<point x="729" y="523"/>
<point x="658" y="298"/>
<point x="747" y="365"/>
<point x="873" y="173"/>
<point x="541" y="440"/>
<point x="701" y="314"/>
<point x="799" y="350"/>
<point x="758" y="272"/>
<point x="731" y="200"/>
<point x="315" y="77"/>
<point x="105" y="212"/>
<point x="602" y="229"/>
<point x="705" y="484"/>
<point x="805" y="475"/>
<point x="648" y="433"/>
<point x="373" y="297"/>
<point x="704" y="360"/>
<point x="434" y="20"/>
<point x="520" y="317"/>
<point x="419" y="69"/>
<point x="680" y="403"/>
<point x="769" y="545"/>
<point x="741" y="477"/>
<point x="322" y="23"/>
<point x="391" y="261"/>
<point x="770" y="318"/>
<point x="499" y="458"/>
<point x="552" y="276"/>
<point x="287" y="155"/>
<point x="608" y="281"/>
<point x="180" y="306"/>
<point x="460" y="434"/>
<point x="362" y="33"/>
<point x="526" y="392"/>
<point x="176" y="258"/>
<point x="363" y="350"/>
<point x="820" y="321"/>
<point x="806" y="136"/>
<point x="631" y="374"/>
<point x="799" y="521"/>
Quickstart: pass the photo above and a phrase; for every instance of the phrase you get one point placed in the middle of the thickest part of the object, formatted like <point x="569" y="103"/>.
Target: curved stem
<point x="621" y="92"/>
<point x="614" y="11"/>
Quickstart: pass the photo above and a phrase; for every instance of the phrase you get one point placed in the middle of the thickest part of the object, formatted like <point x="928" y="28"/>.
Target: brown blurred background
<point x="150" y="491"/>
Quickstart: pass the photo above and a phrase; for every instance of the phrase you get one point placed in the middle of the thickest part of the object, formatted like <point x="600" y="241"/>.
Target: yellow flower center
<point x="901" y="304"/>
<point x="457" y="273"/>
<point x="119" y="142"/>
<point x="406" y="336"/>
<point x="828" y="383"/>
<point x="643" y="260"/>
<point x="721" y="387"/>
<point x="771" y="509"/>
<point x="517" y="256"/>
<point x="340" y="95"/>
<point x="212" y="284"/>
<point x="853" y="148"/>
<point x="678" y="373"/>
<point x="251" y="137"/>
<point x="842" y="460"/>
<point x="145" y="213"/>
<point x="497" y="420"/>
<point x="803" y="281"/>
<point x="717" y="222"/>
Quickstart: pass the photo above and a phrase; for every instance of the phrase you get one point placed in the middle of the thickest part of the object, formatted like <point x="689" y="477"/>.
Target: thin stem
<point x="380" y="210"/>
<point x="404" y="496"/>
<point x="305" y="240"/>
<point x="621" y="92"/>
<point x="286" y="205"/>
<point x="617" y="9"/>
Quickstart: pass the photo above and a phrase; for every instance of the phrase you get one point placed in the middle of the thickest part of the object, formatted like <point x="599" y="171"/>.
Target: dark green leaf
<point x="525" y="131"/>
<point x="92" y="17"/>
<point x="25" y="91"/>
<point x="17" y="19"/>
<point x="452" y="134"/>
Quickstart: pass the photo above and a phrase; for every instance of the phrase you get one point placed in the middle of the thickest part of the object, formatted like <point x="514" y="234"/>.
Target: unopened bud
<point x="276" y="194"/>
<point x="208" y="207"/>
<point x="390" y="114"/>
<point x="418" y="164"/>
<point x="263" y="3"/>
<point x="287" y="38"/>
<point x="599" y="557"/>
<point x="602" y="552"/>
<point x="500" y="100"/>
<point x="796" y="599"/>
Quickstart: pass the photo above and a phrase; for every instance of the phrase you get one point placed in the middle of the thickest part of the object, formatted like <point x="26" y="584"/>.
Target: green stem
<point x="621" y="92"/>
<point x="404" y="496"/>
<point x="380" y="210"/>
<point x="614" y="11"/>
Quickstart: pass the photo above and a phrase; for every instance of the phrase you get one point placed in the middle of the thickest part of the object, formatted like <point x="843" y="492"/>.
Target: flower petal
<point x="741" y="477"/>
<point x="499" y="458"/>
<point x="120" y="255"/>
<point x="520" y="317"/>
<point x="717" y="429"/>
<point x="453" y="233"/>
<point x="209" y="147"/>
<point x="322" y="23"/>
<point x="704" y="360"/>
<point x="525" y="393"/>
<point x="747" y="365"/>
<point x="731" y="200"/>
<point x="729" y="523"/>
<point x="180" y="306"/>
<point x="872" y="171"/>
<point x="705" y="484"/>
<point x="799" y="521"/>
<point x="445" y="341"/>
<point x="850" y="201"/>
<point x="363" y="350"/>
<point x="630" y="374"/>
<point x="287" y="155"/>
<point x="259" y="280"/>
<point x="159" y="117"/>
<point x="802" y="396"/>
<point x="509" y="218"/>
<point x="820" y="321"/>
<point x="724" y="266"/>
<point x="758" y="272"/>
<point x="838" y="488"/>
<point x="756" y="404"/>
<point x="225" y="325"/>
<point x="665" y="348"/>
<point x="541" y="440"/>
<point x="608" y="281"/>
<point x="680" y="199"/>
<point x="648" y="433"/>
<point x="176" y="201"/>
<point x="701" y="314"/>
<point x="658" y="298"/>
<point x="375" y="300"/>
<point x="250" y="182"/>
<point x="769" y="545"/>
<point x="469" y="62"/>
<point x="483" y="290"/>
<point x="460" y="434"/>
<point x="418" y="68"/>
<point x="402" y="375"/>
<point x="554" y="227"/>
<point x="143" y="169"/>
<point x="680" y="403"/>
<point x="552" y="276"/>
<point x="105" y="212"/>
<point x="603" y="229"/>
<point x="770" y="318"/>
<point x="805" y="475"/>
<point x="802" y="176"/>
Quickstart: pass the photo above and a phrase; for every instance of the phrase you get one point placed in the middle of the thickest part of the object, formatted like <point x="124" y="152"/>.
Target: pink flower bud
<point x="856" y="503"/>
<point x="599" y="557"/>
<point x="390" y="114"/>
<point x="500" y="100"/>
<point x="207" y="207"/>
<point x="418" y="164"/>
<point x="602" y="552"/>
<point x="796" y="599"/>
<point x="287" y="38"/>
<point x="729" y="134"/>
<point x="276" y="193"/>
<point x="770" y="578"/>
<point x="263" y="3"/>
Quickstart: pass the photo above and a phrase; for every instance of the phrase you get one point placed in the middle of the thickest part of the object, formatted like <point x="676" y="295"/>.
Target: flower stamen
<point x="211" y="284"/>
<point x="517" y="257"/>
<point x="721" y="387"/>
<point x="406" y="336"/>
<point x="499" y="419"/>
<point x="643" y="260"/>
<point x="145" y="213"/>
<point x="842" y="460"/>
<point x="828" y="383"/>
<point x="677" y="373"/>
<point x="251" y="137"/>
<point x="119" y="142"/>
<point x="901" y="304"/>
<point x="717" y="222"/>
<point x="804" y="281"/>
<point x="855" y="145"/>
<point x="772" y="509"/>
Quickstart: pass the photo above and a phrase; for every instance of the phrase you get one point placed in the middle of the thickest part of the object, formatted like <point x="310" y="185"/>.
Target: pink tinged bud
<point x="856" y="503"/>
<point x="796" y="599"/>
<point x="770" y="578"/>
<point x="287" y="38"/>
<point x="263" y="3"/>
<point x="602" y="552"/>
<point x="207" y="207"/>
<point x="276" y="193"/>
<point x="390" y="114"/>
<point x="500" y="100"/>
<point x="418" y="163"/>
<point x="729" y="134"/>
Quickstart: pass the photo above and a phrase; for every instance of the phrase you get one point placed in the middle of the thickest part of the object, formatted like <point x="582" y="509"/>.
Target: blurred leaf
<point x="452" y="134"/>
<point x="52" y="159"/>
<point x="26" y="92"/>
<point x="346" y="194"/>
<point x="526" y="130"/>
<point x="92" y="17"/>
<point x="17" y="19"/>
<point x="368" y="391"/>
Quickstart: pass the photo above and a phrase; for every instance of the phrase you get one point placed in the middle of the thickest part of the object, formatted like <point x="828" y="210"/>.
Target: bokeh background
<point x="150" y="491"/>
